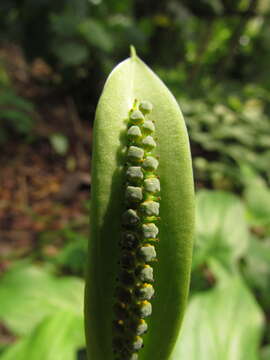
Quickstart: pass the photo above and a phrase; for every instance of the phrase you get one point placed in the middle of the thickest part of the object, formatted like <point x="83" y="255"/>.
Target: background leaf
<point x="57" y="337"/>
<point x="257" y="196"/>
<point x="224" y="323"/>
<point x="29" y="294"/>
<point x="59" y="143"/>
<point x="95" y="34"/>
<point x="71" y="53"/>
<point x="222" y="232"/>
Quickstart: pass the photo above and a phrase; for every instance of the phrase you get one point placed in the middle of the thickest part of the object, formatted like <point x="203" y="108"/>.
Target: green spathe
<point x="131" y="80"/>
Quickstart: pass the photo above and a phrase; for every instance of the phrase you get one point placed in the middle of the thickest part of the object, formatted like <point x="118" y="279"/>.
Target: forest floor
<point x="41" y="190"/>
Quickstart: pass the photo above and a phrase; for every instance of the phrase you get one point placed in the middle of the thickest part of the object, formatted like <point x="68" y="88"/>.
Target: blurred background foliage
<point x="54" y="58"/>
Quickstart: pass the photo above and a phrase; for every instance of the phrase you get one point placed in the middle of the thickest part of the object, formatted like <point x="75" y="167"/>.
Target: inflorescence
<point x="138" y="237"/>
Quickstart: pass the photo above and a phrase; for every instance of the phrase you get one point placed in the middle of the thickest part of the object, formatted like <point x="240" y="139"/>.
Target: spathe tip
<point x="133" y="53"/>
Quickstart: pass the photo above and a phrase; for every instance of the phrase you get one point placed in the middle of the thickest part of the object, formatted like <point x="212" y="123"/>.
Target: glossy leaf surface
<point x="221" y="231"/>
<point x="29" y="294"/>
<point x="43" y="311"/>
<point x="59" y="337"/>
<point x="224" y="323"/>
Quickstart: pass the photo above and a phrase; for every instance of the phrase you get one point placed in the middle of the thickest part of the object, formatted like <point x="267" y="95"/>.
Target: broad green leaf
<point x="20" y="121"/>
<point x="131" y="80"/>
<point x="222" y="231"/>
<point x="257" y="196"/>
<point x="96" y="34"/>
<point x="65" y="24"/>
<point x="257" y="262"/>
<point x="4" y="77"/>
<point x="224" y="323"/>
<point x="9" y="98"/>
<point x="29" y="293"/>
<point x="57" y="337"/>
<point x="71" y="53"/>
<point x="265" y="353"/>
<point x="73" y="256"/>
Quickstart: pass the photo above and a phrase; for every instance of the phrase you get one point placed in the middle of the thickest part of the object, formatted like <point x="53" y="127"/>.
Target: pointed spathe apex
<point x="133" y="53"/>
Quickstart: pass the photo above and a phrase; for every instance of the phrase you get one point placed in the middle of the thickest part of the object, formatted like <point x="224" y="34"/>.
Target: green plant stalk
<point x="132" y="80"/>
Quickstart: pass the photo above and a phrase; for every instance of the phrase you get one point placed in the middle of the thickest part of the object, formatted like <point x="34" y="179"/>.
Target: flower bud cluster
<point x="139" y="235"/>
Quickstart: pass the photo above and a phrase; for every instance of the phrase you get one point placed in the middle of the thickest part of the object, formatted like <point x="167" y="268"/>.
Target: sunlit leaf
<point x="57" y="337"/>
<point x="257" y="262"/>
<point x="28" y="294"/>
<point x="224" y="323"/>
<point x="257" y="196"/>
<point x="222" y="231"/>
<point x="266" y="353"/>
